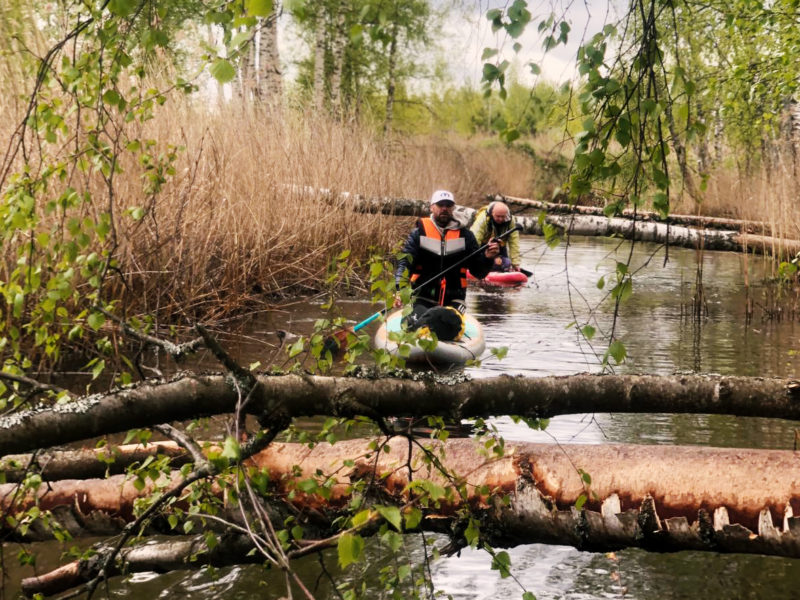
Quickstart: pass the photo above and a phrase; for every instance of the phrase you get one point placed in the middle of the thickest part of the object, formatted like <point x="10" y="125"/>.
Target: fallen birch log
<point x="703" y="222"/>
<point x="685" y="231"/>
<point x="190" y="397"/>
<point x="660" y="498"/>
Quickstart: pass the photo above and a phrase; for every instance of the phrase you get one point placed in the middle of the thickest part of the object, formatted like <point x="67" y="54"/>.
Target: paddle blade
<point x="526" y="272"/>
<point x="336" y="343"/>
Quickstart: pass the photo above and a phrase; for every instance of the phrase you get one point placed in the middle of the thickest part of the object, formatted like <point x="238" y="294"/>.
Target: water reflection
<point x="533" y="321"/>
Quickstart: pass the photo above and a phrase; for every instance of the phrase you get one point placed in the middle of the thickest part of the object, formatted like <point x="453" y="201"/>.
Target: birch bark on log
<point x="594" y="223"/>
<point x="754" y="227"/>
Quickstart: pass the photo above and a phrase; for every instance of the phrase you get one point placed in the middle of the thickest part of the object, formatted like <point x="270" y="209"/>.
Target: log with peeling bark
<point x="685" y="231"/>
<point x="456" y="397"/>
<point x="741" y="225"/>
<point x="660" y="498"/>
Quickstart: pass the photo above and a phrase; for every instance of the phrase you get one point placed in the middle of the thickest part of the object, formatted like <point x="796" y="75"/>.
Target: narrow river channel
<point x="662" y="336"/>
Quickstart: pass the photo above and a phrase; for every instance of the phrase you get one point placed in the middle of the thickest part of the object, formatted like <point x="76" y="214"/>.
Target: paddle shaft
<point x="369" y="320"/>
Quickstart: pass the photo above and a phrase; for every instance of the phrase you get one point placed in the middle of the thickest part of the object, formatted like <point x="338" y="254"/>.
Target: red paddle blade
<point x="336" y="343"/>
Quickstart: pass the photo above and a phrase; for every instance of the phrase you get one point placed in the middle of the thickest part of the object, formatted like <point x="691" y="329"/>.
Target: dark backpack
<point x="445" y="321"/>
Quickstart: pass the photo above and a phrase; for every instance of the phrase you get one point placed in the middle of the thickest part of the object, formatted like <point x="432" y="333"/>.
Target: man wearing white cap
<point x="437" y="254"/>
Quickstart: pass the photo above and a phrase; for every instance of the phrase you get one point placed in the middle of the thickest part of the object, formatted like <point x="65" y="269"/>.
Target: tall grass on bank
<point x="240" y="221"/>
<point x="243" y="220"/>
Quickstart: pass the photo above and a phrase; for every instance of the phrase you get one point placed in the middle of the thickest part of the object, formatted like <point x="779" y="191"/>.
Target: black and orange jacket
<point x="430" y="250"/>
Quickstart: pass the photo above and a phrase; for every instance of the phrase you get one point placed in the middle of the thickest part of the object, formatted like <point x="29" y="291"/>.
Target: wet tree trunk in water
<point x="589" y="221"/>
<point x="660" y="498"/>
<point x="191" y="397"/>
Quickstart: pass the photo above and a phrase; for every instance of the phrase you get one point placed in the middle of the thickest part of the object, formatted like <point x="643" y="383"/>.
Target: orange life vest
<point x="437" y="253"/>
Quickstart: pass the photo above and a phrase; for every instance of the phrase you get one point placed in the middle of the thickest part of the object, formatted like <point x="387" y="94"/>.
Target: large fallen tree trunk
<point x="661" y="498"/>
<point x="664" y="233"/>
<point x="703" y="222"/>
<point x="685" y="231"/>
<point x="189" y="397"/>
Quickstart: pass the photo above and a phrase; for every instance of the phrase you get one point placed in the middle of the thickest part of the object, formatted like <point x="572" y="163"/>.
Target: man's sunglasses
<point x="446" y="204"/>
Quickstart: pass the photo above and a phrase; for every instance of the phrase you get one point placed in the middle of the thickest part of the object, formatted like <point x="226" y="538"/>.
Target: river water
<point x="662" y="336"/>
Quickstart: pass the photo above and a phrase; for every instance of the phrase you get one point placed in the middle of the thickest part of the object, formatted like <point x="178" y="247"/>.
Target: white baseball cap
<point x="442" y="196"/>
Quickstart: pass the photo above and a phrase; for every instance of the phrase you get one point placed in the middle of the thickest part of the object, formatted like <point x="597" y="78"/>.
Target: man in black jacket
<point x="436" y="256"/>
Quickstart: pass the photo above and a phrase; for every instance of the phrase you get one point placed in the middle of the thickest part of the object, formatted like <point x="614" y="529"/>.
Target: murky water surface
<point x="533" y="322"/>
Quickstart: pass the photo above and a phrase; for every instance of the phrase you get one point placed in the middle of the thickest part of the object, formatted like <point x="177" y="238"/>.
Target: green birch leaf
<point x="392" y="515"/>
<point x="222" y="70"/>
<point x="413" y="518"/>
<point x="617" y="351"/>
<point x="259" y="8"/>
<point x="96" y="320"/>
<point x="350" y="548"/>
<point x="122" y="8"/>
<point x="230" y="449"/>
<point x="502" y="562"/>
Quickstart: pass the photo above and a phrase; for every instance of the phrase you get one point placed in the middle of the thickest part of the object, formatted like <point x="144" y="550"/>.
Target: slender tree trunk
<point x="719" y="138"/>
<point x="213" y="42"/>
<point x="680" y="153"/>
<point x="338" y="47"/>
<point x="703" y="154"/>
<point x="248" y="72"/>
<point x="269" y="86"/>
<point x="390" y="87"/>
<point x="320" y="43"/>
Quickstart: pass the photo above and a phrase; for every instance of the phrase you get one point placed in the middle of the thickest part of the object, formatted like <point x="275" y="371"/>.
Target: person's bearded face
<point x="442" y="212"/>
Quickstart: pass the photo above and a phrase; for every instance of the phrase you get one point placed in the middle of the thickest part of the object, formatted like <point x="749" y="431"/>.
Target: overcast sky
<point x="466" y="32"/>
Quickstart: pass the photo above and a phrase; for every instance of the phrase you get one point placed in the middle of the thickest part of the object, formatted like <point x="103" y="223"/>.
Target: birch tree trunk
<point x="191" y="397"/>
<point x="680" y="153"/>
<point x="391" y="83"/>
<point x="320" y="43"/>
<point x="269" y="88"/>
<point x="338" y="45"/>
<point x="248" y="71"/>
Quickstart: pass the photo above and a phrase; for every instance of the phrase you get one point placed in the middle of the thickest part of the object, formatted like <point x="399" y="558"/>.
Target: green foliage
<point x="366" y="47"/>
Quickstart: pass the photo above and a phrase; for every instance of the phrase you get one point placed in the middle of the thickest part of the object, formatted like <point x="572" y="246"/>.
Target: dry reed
<point x="242" y="220"/>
